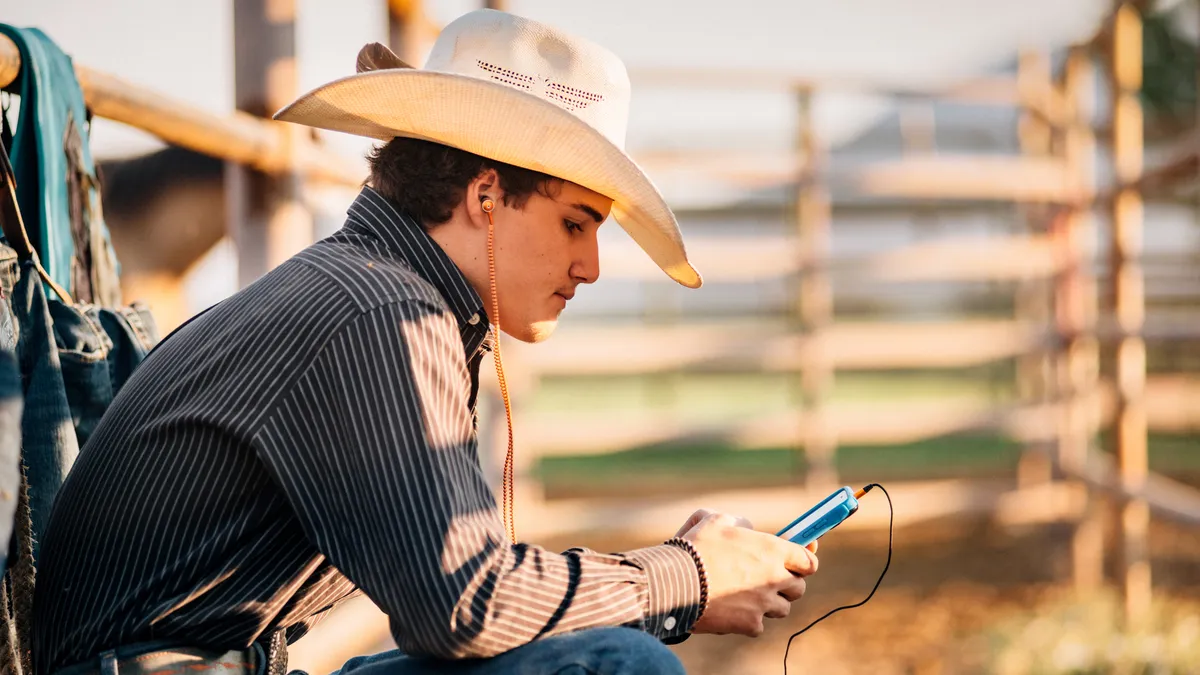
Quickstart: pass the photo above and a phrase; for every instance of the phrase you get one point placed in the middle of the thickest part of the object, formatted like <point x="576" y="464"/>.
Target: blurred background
<point x="949" y="246"/>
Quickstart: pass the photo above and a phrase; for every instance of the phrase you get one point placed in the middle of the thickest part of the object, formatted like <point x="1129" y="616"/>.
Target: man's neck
<point x="466" y="249"/>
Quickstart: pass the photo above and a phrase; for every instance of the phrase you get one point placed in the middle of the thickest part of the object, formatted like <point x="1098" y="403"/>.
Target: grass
<point x="682" y="467"/>
<point x="953" y="455"/>
<point x="726" y="397"/>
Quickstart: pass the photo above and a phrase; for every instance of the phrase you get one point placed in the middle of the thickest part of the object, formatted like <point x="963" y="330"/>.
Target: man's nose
<point x="586" y="267"/>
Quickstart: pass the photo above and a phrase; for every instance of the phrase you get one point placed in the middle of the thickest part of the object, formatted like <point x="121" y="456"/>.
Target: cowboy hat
<point x="519" y="92"/>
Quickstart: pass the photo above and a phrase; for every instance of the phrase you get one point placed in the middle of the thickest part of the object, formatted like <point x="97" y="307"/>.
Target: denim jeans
<point x="11" y="405"/>
<point x="99" y="348"/>
<point x="73" y="360"/>
<point x="10" y="438"/>
<point x="49" y="444"/>
<point x="598" y="651"/>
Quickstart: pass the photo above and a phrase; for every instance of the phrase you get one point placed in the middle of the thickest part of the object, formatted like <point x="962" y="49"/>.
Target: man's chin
<point x="535" y="332"/>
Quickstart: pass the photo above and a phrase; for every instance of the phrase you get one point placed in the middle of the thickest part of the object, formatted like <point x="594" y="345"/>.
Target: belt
<point x="162" y="658"/>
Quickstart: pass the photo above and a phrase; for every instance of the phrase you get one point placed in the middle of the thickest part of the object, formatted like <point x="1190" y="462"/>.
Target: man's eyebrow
<point x="593" y="213"/>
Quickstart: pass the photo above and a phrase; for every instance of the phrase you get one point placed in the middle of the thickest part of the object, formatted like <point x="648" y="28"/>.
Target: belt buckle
<point x="108" y="662"/>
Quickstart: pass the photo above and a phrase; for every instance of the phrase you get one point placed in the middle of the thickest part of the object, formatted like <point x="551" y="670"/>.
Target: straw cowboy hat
<point x="516" y="91"/>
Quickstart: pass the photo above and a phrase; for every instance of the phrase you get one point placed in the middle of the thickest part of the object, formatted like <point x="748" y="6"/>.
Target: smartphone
<point x="820" y="519"/>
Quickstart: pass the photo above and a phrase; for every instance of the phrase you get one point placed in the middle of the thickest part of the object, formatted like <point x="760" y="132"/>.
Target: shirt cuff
<point x="673" y="590"/>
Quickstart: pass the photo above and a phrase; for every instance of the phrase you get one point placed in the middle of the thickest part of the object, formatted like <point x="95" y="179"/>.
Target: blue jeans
<point x="10" y="441"/>
<point x="599" y="651"/>
<point x="73" y="361"/>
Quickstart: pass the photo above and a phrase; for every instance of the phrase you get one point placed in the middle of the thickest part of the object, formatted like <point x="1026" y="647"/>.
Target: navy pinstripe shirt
<point x="311" y="437"/>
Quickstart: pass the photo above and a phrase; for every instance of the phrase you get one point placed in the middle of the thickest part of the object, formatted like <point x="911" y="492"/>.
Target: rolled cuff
<point x="673" y="590"/>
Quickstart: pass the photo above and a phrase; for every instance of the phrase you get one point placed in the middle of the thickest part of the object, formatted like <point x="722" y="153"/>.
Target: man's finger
<point x="778" y="607"/>
<point x="812" y="547"/>
<point x="799" y="559"/>
<point x="743" y="522"/>
<point x="725" y="519"/>
<point x="694" y="520"/>
<point x="793" y="589"/>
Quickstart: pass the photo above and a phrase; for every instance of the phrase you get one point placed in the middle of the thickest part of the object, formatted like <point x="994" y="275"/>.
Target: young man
<point x="314" y="435"/>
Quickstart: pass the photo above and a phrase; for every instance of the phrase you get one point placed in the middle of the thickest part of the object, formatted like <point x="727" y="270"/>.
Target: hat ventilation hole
<point x="506" y="76"/>
<point x="574" y="99"/>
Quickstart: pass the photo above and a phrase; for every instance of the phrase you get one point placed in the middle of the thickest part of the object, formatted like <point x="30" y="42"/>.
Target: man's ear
<point x="486" y="184"/>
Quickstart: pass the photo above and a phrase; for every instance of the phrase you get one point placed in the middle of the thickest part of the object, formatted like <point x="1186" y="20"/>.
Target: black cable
<point x="891" y="516"/>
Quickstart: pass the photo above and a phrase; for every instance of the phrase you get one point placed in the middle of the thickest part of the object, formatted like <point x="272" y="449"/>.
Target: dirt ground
<point x="948" y="582"/>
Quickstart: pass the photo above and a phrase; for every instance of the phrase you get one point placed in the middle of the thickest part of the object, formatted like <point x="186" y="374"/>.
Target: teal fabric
<point x="50" y="96"/>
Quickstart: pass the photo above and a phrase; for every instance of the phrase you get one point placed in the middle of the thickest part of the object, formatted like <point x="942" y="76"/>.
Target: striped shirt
<point x="311" y="437"/>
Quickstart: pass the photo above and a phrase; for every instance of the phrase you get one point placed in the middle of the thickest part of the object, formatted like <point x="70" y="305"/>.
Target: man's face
<point x="543" y="252"/>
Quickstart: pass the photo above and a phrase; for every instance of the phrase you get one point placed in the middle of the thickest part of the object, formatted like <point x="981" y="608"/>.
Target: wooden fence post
<point x="1032" y="297"/>
<point x="406" y="30"/>
<point x="814" y="306"/>
<point x="1077" y="368"/>
<point x="268" y="220"/>
<point x="1128" y="295"/>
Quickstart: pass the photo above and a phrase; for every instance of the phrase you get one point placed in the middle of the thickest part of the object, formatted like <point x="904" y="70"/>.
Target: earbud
<point x="486" y="203"/>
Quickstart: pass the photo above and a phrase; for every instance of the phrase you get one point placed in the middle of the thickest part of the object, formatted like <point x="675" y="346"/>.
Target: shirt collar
<point x="373" y="214"/>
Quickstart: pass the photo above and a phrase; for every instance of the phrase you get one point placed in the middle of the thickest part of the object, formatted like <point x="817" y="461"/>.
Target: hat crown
<point x="574" y="74"/>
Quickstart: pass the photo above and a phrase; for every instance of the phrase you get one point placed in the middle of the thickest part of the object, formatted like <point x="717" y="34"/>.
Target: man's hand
<point x="751" y="575"/>
<point x="701" y="514"/>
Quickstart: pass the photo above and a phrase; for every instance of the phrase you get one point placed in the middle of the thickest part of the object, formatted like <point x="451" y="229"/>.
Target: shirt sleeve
<point x="375" y="450"/>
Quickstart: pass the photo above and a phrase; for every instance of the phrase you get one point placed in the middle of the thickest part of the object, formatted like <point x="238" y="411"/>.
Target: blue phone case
<point x="823" y="517"/>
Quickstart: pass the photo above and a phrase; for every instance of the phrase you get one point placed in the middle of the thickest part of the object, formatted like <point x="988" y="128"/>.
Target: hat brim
<point x="507" y="125"/>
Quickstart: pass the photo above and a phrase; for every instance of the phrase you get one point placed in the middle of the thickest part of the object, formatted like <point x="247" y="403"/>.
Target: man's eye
<point x="573" y="227"/>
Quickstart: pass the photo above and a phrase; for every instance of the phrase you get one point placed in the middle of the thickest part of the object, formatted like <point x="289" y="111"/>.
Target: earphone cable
<point x="508" y="496"/>
<point x="891" y="518"/>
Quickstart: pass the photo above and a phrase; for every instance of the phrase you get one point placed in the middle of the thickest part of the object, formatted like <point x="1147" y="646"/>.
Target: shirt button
<point x="669" y="623"/>
<point x="474" y="320"/>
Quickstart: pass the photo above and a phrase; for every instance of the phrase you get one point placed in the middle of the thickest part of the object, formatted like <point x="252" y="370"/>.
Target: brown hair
<point x="429" y="180"/>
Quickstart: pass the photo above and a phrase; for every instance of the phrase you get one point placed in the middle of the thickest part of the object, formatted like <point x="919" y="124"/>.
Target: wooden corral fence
<point x="1063" y="324"/>
<point x="1078" y="336"/>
